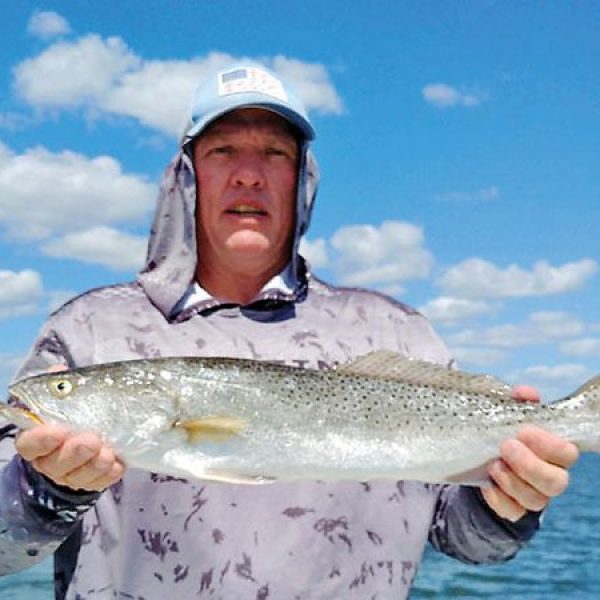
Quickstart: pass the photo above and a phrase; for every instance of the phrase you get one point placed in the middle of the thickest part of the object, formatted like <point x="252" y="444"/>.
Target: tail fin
<point x="589" y="388"/>
<point x="588" y="394"/>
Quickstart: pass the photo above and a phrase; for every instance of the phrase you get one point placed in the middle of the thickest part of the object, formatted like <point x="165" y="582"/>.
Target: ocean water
<point x="561" y="563"/>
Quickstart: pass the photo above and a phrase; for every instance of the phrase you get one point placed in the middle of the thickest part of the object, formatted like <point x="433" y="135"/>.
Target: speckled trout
<point x="383" y="416"/>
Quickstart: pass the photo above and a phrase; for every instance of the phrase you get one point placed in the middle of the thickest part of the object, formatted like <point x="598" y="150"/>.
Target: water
<point x="33" y="584"/>
<point x="561" y="563"/>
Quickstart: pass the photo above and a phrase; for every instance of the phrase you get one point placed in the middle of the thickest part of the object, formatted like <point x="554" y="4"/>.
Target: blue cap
<point x="245" y="86"/>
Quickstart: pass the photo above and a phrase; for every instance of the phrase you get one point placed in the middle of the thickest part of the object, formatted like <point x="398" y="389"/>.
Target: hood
<point x="172" y="255"/>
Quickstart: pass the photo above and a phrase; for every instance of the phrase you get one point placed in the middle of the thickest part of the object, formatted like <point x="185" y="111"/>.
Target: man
<point x="223" y="277"/>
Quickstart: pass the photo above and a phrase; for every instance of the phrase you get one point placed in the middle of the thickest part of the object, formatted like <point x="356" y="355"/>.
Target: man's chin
<point x="249" y="243"/>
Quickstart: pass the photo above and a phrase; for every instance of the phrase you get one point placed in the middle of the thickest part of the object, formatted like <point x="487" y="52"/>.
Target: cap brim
<point x="299" y="122"/>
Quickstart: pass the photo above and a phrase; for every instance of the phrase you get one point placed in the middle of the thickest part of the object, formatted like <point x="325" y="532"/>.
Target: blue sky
<point x="458" y="144"/>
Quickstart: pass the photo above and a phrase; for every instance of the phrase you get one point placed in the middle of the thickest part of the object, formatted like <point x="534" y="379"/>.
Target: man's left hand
<point x="531" y="470"/>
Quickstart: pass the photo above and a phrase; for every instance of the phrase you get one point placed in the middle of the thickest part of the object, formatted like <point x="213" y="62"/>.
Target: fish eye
<point x="61" y="388"/>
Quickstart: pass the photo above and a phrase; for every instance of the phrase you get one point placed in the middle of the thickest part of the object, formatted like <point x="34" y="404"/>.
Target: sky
<point x="457" y="143"/>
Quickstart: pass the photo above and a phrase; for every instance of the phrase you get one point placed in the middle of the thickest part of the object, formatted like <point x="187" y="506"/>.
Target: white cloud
<point x="20" y="292"/>
<point x="539" y="328"/>
<point x="315" y="252"/>
<point x="556" y="324"/>
<point x="102" y="246"/>
<point x="158" y="93"/>
<point x="443" y="95"/>
<point x="392" y="289"/>
<point x="69" y="74"/>
<point x="44" y="193"/>
<point x="9" y="363"/>
<point x="384" y="255"/>
<point x="311" y="81"/>
<point x="557" y="372"/>
<point x="105" y="76"/>
<point x="478" y="278"/>
<point x="589" y="346"/>
<point x="56" y="298"/>
<point x="47" y="24"/>
<point x="554" y="381"/>
<point x="477" y="357"/>
<point x="447" y="310"/>
<point x="482" y="195"/>
<point x="12" y="121"/>
<point x="499" y="336"/>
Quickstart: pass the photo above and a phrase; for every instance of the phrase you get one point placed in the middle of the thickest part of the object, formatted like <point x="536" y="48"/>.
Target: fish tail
<point x="590" y="389"/>
<point x="586" y="395"/>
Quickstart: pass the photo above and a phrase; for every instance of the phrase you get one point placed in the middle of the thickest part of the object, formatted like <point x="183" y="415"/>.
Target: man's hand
<point x="79" y="461"/>
<point x="531" y="469"/>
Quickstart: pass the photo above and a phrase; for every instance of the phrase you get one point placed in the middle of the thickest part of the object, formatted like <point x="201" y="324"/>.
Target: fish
<point x="382" y="416"/>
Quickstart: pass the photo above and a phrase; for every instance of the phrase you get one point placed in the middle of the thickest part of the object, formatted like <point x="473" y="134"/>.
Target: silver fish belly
<point x="383" y="416"/>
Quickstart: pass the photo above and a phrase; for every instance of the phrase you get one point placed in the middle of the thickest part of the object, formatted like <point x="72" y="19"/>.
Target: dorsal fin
<point x="392" y="365"/>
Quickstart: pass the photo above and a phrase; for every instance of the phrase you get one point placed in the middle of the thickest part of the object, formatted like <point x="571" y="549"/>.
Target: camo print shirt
<point x="152" y="537"/>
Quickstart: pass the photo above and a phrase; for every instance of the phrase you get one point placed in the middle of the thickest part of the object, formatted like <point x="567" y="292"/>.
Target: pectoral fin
<point x="212" y="429"/>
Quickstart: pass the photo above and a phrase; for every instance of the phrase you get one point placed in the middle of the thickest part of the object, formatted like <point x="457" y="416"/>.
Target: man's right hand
<point x="79" y="461"/>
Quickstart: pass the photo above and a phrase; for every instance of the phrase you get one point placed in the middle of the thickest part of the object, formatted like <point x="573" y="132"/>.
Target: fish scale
<point x="382" y="416"/>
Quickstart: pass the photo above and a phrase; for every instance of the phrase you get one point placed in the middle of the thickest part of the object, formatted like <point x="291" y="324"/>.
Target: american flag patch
<point x="234" y="75"/>
<point x="250" y="79"/>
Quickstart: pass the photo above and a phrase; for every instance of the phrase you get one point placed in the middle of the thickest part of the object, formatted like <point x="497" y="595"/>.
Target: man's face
<point x="246" y="167"/>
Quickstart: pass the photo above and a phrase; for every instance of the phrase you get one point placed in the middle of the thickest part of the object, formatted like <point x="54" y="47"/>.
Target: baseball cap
<point x="245" y="86"/>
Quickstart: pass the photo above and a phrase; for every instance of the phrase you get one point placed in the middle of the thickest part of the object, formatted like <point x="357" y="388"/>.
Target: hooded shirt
<point x="151" y="535"/>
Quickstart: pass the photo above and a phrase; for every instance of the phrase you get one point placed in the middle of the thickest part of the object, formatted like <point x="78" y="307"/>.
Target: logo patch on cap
<point x="250" y="79"/>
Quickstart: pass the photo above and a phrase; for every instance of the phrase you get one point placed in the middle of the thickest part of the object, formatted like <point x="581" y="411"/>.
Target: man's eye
<point x="221" y="150"/>
<point x="276" y="152"/>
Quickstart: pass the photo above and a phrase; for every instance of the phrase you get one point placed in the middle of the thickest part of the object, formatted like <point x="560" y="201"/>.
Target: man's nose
<point x="248" y="171"/>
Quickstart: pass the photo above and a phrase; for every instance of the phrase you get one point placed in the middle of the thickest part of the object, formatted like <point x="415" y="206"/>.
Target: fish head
<point x="50" y="397"/>
<point x="106" y="398"/>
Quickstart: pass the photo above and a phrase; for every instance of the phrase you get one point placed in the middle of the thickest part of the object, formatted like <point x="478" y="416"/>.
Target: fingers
<point x="78" y="461"/>
<point x="522" y="494"/>
<point x="75" y="452"/>
<point x="525" y="393"/>
<point x="549" y="447"/>
<point x="502" y="504"/>
<point x="40" y="441"/>
<point x="110" y="477"/>
<point x="81" y="461"/>
<point x="536" y="471"/>
<point x="97" y="474"/>
<point x="532" y="470"/>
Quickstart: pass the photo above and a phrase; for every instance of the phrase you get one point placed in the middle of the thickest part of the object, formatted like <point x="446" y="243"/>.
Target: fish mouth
<point x="21" y="411"/>
<point x="18" y="399"/>
<point x="15" y="400"/>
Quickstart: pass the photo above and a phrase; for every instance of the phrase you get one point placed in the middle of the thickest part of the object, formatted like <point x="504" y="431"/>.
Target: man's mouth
<point x="246" y="209"/>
